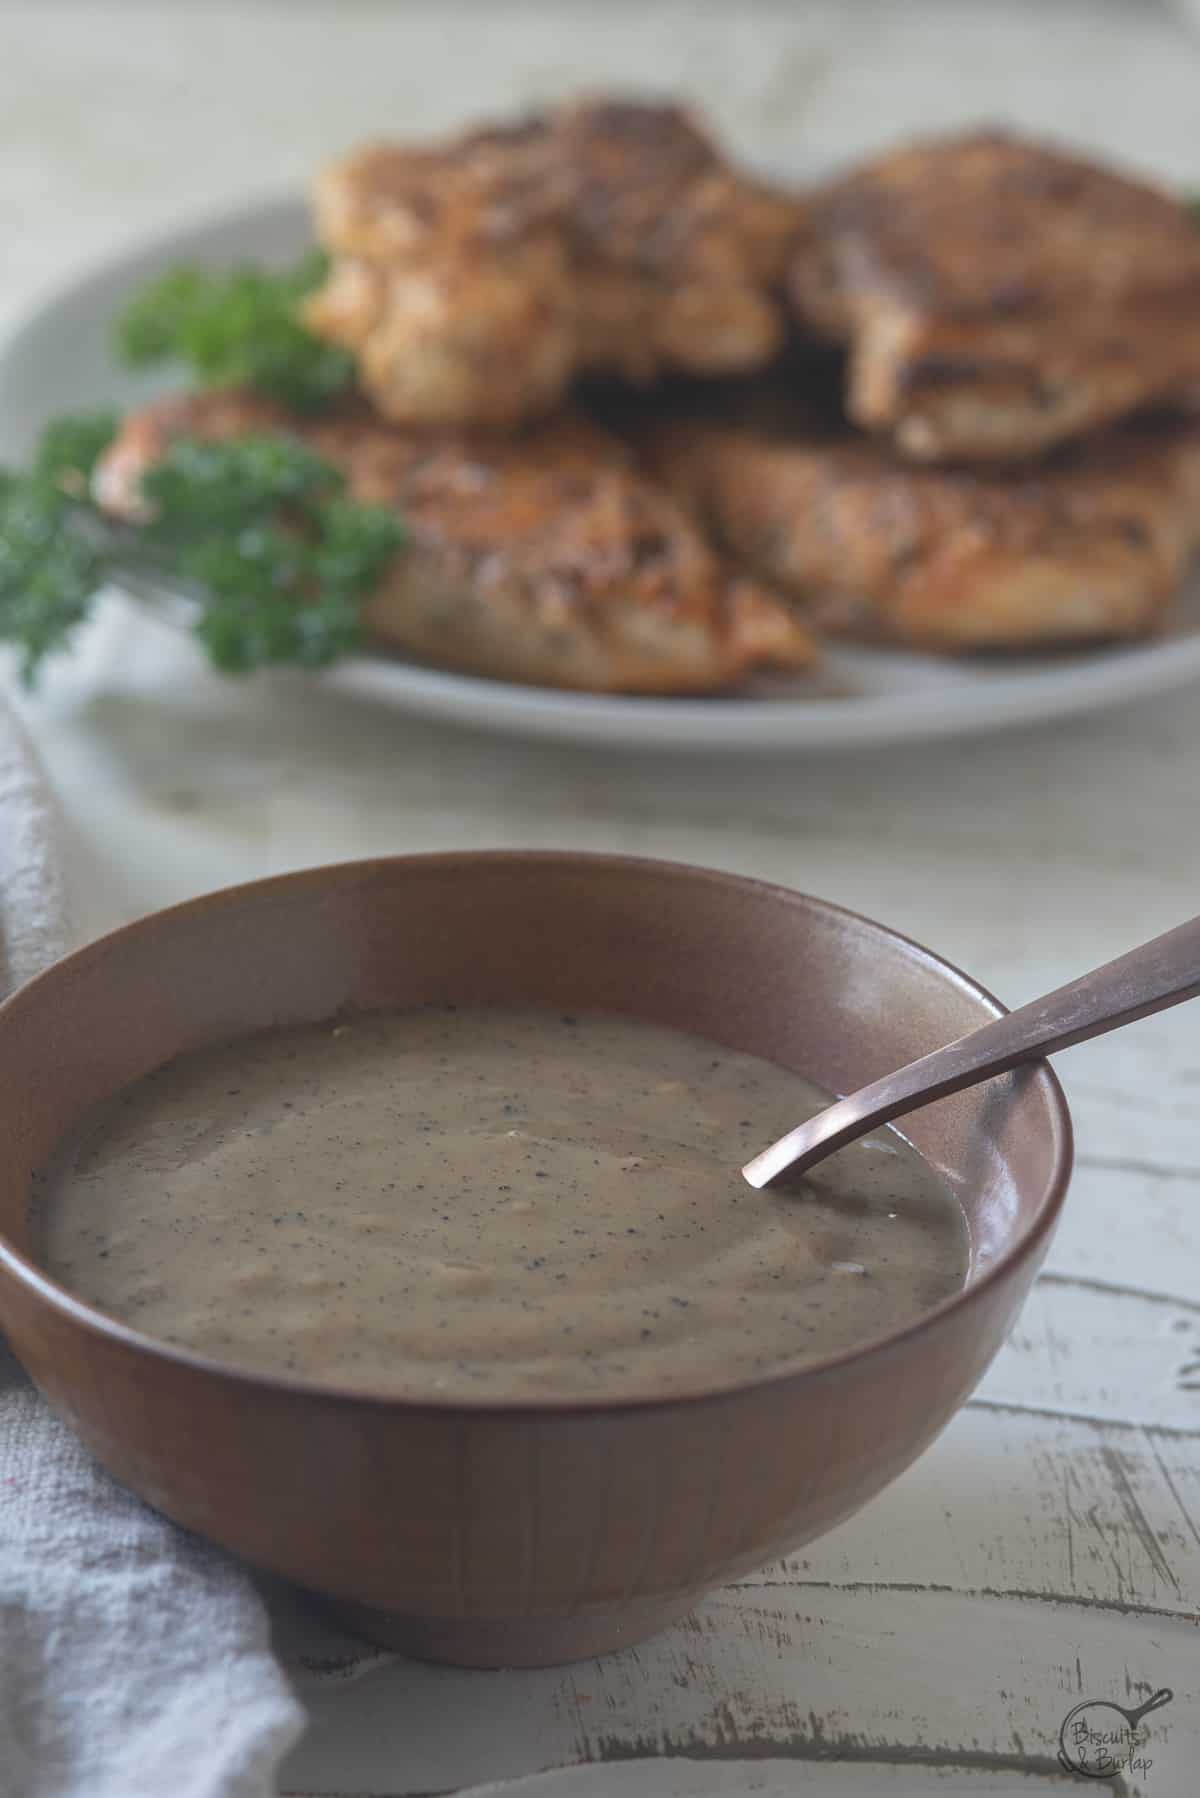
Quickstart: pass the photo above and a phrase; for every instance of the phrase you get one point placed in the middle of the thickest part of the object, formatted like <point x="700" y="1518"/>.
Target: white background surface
<point x="1048" y="1547"/>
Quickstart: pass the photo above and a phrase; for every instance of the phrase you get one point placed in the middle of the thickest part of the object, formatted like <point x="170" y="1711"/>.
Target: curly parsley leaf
<point x="240" y="327"/>
<point x="284" y="560"/>
<point x="199" y="482"/>
<point x="49" y="573"/>
<point x="70" y="447"/>
<point x="261" y="530"/>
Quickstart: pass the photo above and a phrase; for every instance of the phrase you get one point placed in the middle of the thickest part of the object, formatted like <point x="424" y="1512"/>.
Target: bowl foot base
<point x="512" y="1641"/>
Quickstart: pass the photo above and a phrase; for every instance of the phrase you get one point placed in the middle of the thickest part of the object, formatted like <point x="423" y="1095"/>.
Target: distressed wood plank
<point x="779" y="1672"/>
<point x="767" y="1777"/>
<point x="1077" y="1515"/>
<point x="1065" y="1553"/>
<point x="1132" y="1223"/>
<point x="1101" y="1351"/>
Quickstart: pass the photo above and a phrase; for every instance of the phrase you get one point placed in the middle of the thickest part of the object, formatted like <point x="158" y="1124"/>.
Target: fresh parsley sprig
<point x="261" y="530"/>
<point x="239" y="327"/>
<point x="49" y="572"/>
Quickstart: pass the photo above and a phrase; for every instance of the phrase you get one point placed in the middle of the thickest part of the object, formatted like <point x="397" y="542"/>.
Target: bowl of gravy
<point x="384" y="1224"/>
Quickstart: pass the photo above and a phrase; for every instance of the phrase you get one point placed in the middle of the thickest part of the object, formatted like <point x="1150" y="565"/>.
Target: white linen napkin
<point x="134" y="1659"/>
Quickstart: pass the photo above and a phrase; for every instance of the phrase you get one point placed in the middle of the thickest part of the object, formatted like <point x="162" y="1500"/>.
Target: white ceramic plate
<point x="59" y="360"/>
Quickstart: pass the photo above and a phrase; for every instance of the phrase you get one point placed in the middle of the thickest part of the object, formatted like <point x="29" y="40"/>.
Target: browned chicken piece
<point x="1000" y="297"/>
<point x="450" y="280"/>
<point x="473" y="280"/>
<point x="679" y="259"/>
<point x="1086" y="547"/>
<point x="548" y="558"/>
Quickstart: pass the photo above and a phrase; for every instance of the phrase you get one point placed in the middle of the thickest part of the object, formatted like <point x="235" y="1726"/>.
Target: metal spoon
<point x="1162" y="972"/>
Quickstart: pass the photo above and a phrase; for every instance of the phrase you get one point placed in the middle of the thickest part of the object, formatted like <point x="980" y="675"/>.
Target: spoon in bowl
<point x="1163" y="972"/>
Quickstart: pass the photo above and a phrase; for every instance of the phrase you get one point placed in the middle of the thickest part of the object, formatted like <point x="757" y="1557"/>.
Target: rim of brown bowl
<point x="50" y="1292"/>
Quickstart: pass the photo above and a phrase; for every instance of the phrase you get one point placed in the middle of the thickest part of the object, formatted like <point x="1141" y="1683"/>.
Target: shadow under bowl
<point x="490" y="1533"/>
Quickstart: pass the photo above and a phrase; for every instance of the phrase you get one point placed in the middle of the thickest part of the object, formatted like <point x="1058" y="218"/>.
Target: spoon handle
<point x="1160" y="973"/>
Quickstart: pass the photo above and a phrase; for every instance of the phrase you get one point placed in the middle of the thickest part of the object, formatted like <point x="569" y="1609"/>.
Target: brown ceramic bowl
<point x="491" y="1533"/>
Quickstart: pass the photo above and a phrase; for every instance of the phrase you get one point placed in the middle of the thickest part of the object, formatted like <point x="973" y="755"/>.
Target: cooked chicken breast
<point x="1089" y="546"/>
<point x="999" y="297"/>
<point x="473" y="280"/>
<point x="451" y="280"/>
<point x="679" y="259"/>
<point x="547" y="558"/>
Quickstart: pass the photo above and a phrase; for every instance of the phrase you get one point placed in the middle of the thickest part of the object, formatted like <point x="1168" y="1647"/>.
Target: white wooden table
<point x="1047" y="1549"/>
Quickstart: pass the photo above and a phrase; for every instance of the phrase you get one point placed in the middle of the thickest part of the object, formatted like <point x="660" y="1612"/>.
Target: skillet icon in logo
<point x="1100" y="1739"/>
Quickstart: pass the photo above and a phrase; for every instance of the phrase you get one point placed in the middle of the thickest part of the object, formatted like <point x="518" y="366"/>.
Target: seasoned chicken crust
<point x="549" y="558"/>
<point x="679" y="259"/>
<point x="1087" y="547"/>
<point x="451" y="280"/>
<point x="999" y="296"/>
<point x="474" y="279"/>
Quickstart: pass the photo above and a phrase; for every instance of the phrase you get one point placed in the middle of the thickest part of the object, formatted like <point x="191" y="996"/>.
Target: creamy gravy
<point x="489" y="1202"/>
